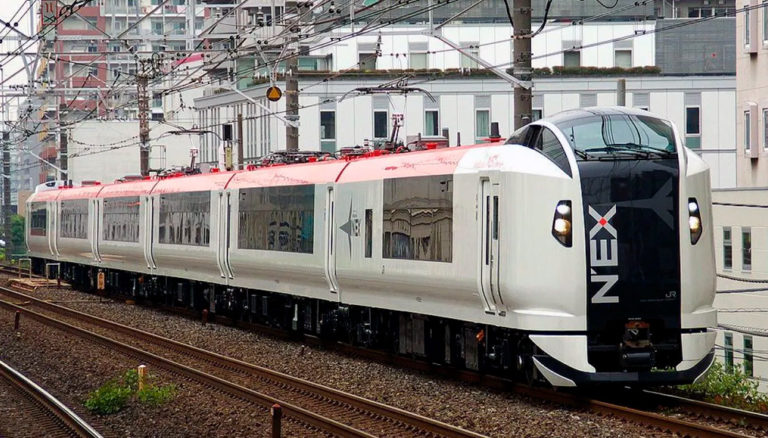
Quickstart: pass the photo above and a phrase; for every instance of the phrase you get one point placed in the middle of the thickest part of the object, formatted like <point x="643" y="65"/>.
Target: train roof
<point x="421" y="163"/>
<point x="580" y="113"/>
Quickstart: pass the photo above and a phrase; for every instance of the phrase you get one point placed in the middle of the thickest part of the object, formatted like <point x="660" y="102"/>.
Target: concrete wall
<point x="704" y="47"/>
<point x="457" y="101"/>
<point x="740" y="210"/>
<point x="107" y="150"/>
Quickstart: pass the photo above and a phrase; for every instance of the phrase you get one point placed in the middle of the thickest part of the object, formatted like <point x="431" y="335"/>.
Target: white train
<point x="579" y="252"/>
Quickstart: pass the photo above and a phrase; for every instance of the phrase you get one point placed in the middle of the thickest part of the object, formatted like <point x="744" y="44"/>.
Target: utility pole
<point x="292" y="99"/>
<point x="142" y="84"/>
<point x="521" y="16"/>
<point x="7" y="194"/>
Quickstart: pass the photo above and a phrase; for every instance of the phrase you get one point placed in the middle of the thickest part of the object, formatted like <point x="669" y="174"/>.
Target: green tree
<point x="17" y="234"/>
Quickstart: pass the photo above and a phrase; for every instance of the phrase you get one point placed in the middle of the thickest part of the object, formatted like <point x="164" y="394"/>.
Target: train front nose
<point x="633" y="267"/>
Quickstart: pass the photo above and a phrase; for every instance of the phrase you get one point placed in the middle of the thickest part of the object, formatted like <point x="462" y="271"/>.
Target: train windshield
<point x="619" y="134"/>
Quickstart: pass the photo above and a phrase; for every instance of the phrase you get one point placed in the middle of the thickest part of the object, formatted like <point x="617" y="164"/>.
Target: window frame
<point x="765" y="23"/>
<point x="321" y="125"/>
<point x="728" y="243"/>
<point x="437" y="122"/>
<point x="746" y="250"/>
<point x="386" y="125"/>
<point x="566" y="52"/>
<point x="749" y="358"/>
<point x="746" y="27"/>
<point x="728" y="351"/>
<point x="360" y="56"/>
<point x="488" y="128"/>
<point x="534" y="112"/>
<point x="747" y="129"/>
<point x="426" y="59"/>
<point x="765" y="119"/>
<point x="693" y="135"/>
<point x="616" y="51"/>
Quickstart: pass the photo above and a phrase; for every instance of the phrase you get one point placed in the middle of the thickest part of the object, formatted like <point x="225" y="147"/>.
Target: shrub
<point x="732" y="388"/>
<point x="108" y="399"/>
<point x="116" y="393"/>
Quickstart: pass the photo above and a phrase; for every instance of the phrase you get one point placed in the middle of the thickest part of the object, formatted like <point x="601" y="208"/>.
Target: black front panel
<point x="633" y="268"/>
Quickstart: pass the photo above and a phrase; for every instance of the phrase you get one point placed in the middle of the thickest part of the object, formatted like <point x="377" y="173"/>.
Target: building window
<point x="693" y="126"/>
<point x="430" y="123"/>
<point x="765" y="118"/>
<point x="473" y="50"/>
<point x="418" y="218"/>
<point x="623" y="58"/>
<point x="380" y="124"/>
<point x="747" y="140"/>
<point x="366" y="61"/>
<point x="418" y="60"/>
<point x="746" y="249"/>
<point x="727" y="249"/>
<point x="92" y="48"/>
<point x="748" y="358"/>
<point x="277" y="218"/>
<point x="728" y="340"/>
<point x="572" y="58"/>
<point x="327" y="125"/>
<point x="538" y="114"/>
<point x="482" y="123"/>
<point x="157" y="27"/>
<point x="746" y="26"/>
<point x="765" y="21"/>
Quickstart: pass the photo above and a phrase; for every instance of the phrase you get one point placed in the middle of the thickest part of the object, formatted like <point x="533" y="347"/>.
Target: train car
<point x="579" y="252"/>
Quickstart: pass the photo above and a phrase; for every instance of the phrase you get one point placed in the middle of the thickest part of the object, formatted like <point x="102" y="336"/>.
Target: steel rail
<point x="408" y="421"/>
<point x="723" y="413"/>
<point x="298" y="414"/>
<point x="68" y="421"/>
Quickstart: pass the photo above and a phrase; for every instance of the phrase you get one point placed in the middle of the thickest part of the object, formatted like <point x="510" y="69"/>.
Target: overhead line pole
<point x="522" y="70"/>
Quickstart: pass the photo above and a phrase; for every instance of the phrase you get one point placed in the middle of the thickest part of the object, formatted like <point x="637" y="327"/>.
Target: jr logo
<point x="605" y="257"/>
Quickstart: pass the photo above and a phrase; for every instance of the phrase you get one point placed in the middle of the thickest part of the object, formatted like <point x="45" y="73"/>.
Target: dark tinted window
<point x="548" y="144"/>
<point x="277" y="218"/>
<point x="379" y="124"/>
<point x="74" y="219"/>
<point x="38" y="220"/>
<point x="121" y="219"/>
<point x="418" y="218"/>
<point x="185" y="219"/>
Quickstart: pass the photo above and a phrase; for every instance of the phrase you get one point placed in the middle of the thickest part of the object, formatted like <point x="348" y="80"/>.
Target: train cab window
<point x="418" y="218"/>
<point x="38" y="221"/>
<point x="74" y="219"/>
<point x="548" y="144"/>
<point x="277" y="218"/>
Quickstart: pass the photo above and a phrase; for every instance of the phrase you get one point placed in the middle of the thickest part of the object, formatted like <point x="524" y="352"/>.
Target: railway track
<point x="705" y="411"/>
<point x="316" y="406"/>
<point x="43" y="415"/>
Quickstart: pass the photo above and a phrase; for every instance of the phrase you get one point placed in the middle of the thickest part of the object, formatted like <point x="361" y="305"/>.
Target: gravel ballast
<point x="479" y="409"/>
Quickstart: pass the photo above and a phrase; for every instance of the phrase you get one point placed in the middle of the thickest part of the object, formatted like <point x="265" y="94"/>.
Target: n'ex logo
<point x="605" y="257"/>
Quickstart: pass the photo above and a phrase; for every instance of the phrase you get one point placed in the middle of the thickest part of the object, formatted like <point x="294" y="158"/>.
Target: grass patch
<point x="729" y="387"/>
<point x="114" y="395"/>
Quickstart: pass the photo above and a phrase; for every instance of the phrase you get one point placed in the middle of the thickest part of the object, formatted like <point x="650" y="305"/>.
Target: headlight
<point x="694" y="220"/>
<point x="561" y="223"/>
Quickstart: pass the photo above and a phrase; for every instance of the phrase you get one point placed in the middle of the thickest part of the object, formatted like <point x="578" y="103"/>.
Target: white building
<point x="333" y="115"/>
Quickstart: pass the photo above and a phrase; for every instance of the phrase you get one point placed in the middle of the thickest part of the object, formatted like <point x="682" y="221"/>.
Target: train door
<point x="52" y="225"/>
<point x="489" y="248"/>
<point x="223" y="236"/>
<point x="149" y="232"/>
<point x="330" y="241"/>
<point x="95" y="226"/>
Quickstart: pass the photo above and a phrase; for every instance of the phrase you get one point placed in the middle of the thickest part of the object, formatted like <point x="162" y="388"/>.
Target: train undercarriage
<point x="437" y="341"/>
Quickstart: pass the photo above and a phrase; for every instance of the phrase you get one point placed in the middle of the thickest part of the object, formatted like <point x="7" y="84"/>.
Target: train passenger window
<point x="418" y="218"/>
<point x="74" y="219"/>
<point x="121" y="219"/>
<point x="277" y="218"/>
<point x="185" y="219"/>
<point x="38" y="221"/>
<point x="368" y="233"/>
<point x="548" y="144"/>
